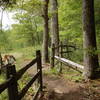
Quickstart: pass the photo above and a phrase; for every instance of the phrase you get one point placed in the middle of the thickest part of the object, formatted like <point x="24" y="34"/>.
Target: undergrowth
<point x="67" y="73"/>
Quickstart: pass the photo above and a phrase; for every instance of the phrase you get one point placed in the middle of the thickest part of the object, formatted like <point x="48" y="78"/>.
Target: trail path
<point x="59" y="88"/>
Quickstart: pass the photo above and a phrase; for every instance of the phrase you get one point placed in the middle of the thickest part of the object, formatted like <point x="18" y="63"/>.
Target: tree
<point x="30" y="25"/>
<point x="89" y="40"/>
<point x="54" y="24"/>
<point x="46" y="31"/>
<point x="70" y="25"/>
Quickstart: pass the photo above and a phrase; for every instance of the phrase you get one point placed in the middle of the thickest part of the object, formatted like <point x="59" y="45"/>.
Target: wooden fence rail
<point x="6" y="84"/>
<point x="70" y="63"/>
<point x="13" y="76"/>
<point x="60" y="58"/>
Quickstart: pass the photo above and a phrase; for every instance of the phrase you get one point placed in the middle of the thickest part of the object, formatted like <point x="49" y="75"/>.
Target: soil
<point x="56" y="87"/>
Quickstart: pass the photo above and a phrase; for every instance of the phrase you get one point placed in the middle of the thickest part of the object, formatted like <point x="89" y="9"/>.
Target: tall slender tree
<point x="54" y="24"/>
<point x="89" y="40"/>
<point x="45" y="58"/>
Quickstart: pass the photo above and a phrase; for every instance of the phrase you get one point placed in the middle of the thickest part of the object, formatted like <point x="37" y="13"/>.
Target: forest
<point x="67" y="34"/>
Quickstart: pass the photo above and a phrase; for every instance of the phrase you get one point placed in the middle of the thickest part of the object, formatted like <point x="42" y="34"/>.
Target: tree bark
<point x="45" y="57"/>
<point x="54" y="25"/>
<point x="89" y="40"/>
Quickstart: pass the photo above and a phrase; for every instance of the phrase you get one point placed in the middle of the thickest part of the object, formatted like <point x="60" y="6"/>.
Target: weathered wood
<point x="25" y="89"/>
<point x="12" y="89"/>
<point x="65" y="45"/>
<point x="39" y="65"/>
<point x="24" y="69"/>
<point x="71" y="46"/>
<point x="0" y="63"/>
<point x="65" y="51"/>
<point x="52" y="55"/>
<point x="13" y="77"/>
<point x="6" y="84"/>
<point x="61" y="55"/>
<point x="75" y="66"/>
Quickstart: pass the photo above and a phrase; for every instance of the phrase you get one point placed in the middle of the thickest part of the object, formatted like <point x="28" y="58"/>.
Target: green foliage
<point x="70" y="23"/>
<point x="4" y="41"/>
<point x="71" y="74"/>
<point x="28" y="30"/>
<point x="70" y="20"/>
<point x="51" y="71"/>
<point x="3" y="96"/>
<point x="97" y="21"/>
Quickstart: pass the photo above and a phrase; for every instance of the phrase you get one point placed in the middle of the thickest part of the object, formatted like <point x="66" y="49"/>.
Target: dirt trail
<point x="59" y="88"/>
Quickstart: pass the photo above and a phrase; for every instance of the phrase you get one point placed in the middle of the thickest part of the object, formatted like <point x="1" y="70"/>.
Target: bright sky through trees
<point x="7" y="19"/>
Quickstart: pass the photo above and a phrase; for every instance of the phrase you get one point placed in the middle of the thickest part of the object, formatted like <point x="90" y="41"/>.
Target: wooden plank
<point x="24" y="69"/>
<point x="65" y="45"/>
<point x="39" y="65"/>
<point x="70" y="63"/>
<point x="61" y="55"/>
<point x="6" y="84"/>
<point x="25" y="89"/>
<point x="52" y="56"/>
<point x="12" y="89"/>
<point x="66" y="51"/>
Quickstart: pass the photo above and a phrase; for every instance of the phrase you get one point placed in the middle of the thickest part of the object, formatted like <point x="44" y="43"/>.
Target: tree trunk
<point x="45" y="58"/>
<point x="89" y="40"/>
<point x="54" y="25"/>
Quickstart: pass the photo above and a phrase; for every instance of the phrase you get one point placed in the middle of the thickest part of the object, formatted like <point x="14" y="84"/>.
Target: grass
<point x="21" y="83"/>
<point x="2" y="78"/>
<point x="29" y="53"/>
<point x="67" y="73"/>
<point x="71" y="74"/>
<point x="3" y="95"/>
<point x="51" y="72"/>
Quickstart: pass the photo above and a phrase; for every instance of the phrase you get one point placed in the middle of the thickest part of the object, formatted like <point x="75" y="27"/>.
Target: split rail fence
<point x="13" y="76"/>
<point x="59" y="58"/>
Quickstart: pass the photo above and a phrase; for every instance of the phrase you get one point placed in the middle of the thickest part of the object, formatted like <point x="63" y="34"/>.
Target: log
<point x="70" y="63"/>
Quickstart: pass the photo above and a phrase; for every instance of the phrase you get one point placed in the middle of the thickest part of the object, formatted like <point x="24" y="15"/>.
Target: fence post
<point x="12" y="89"/>
<point x="39" y="67"/>
<point x="52" y="55"/>
<point x="0" y="59"/>
<point x="61" y="55"/>
<point x="1" y="63"/>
